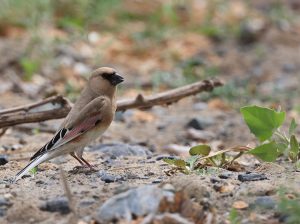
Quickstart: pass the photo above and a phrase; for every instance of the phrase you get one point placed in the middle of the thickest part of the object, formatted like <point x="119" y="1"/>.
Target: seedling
<point x="202" y="158"/>
<point x="265" y="124"/>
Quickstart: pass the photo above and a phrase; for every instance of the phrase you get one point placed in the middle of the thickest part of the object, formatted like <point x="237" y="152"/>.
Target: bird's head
<point x="104" y="80"/>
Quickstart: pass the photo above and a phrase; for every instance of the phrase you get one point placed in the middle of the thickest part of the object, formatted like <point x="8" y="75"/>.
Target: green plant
<point x="201" y="158"/>
<point x="265" y="124"/>
<point x="234" y="217"/>
<point x="289" y="206"/>
<point x="29" y="67"/>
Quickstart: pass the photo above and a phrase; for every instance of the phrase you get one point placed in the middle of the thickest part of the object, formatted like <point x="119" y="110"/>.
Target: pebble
<point x="109" y="178"/>
<point x="60" y="205"/>
<point x="118" y="150"/>
<point x="136" y="202"/>
<point x="225" y="175"/>
<point x="251" y="177"/>
<point x="4" y="204"/>
<point x="3" y="160"/>
<point x="87" y="202"/>
<point x="266" y="202"/>
<point x="200" y="123"/>
<point x="200" y="135"/>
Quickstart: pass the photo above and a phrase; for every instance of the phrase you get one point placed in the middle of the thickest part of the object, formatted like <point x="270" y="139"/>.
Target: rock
<point x="109" y="178"/>
<point x="120" y="150"/>
<point x="2" y="212"/>
<point x="200" y="123"/>
<point x="87" y="202"/>
<point x="264" y="202"/>
<point x="251" y="177"/>
<point x="225" y="175"/>
<point x="166" y="157"/>
<point x="167" y="218"/>
<point x="200" y="135"/>
<point x="3" y="160"/>
<point x="4" y="204"/>
<point x="132" y="203"/>
<point x="60" y="205"/>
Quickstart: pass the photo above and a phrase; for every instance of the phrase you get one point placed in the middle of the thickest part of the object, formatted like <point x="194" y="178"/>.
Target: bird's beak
<point x="117" y="79"/>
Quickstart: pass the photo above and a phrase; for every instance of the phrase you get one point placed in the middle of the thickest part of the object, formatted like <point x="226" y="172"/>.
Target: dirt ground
<point x="264" y="72"/>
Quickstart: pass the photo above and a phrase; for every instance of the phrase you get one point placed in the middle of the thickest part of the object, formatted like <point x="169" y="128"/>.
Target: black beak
<point x="116" y="79"/>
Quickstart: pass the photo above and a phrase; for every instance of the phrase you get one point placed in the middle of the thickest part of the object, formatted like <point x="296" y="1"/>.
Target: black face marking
<point x="81" y="131"/>
<point x="98" y="121"/>
<point x="113" y="78"/>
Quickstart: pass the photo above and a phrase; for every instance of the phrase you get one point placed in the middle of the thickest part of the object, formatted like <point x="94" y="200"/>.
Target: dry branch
<point x="58" y="107"/>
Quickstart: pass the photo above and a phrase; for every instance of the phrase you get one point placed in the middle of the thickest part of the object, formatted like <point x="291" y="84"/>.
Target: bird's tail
<point x="35" y="162"/>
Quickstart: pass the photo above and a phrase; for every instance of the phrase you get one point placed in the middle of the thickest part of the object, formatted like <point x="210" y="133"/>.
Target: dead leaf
<point x="227" y="188"/>
<point x="240" y="205"/>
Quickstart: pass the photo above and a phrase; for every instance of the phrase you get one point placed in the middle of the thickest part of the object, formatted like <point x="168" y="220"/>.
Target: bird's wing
<point x="88" y="117"/>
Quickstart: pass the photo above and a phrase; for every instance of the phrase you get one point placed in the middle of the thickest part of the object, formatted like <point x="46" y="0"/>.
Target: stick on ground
<point x="58" y="107"/>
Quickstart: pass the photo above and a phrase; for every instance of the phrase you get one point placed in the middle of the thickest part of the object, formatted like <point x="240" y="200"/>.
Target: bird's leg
<point x="87" y="163"/>
<point x="74" y="156"/>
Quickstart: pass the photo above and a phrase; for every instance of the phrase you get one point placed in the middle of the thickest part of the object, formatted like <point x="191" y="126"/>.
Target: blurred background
<point x="50" y="47"/>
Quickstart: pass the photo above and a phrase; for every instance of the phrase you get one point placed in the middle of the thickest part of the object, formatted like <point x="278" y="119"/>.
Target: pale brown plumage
<point x="90" y="116"/>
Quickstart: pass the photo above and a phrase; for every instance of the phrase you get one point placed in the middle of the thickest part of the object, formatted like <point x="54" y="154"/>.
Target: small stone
<point x="87" y="202"/>
<point x="122" y="150"/>
<point x="3" y="160"/>
<point x="240" y="205"/>
<point x="251" y="177"/>
<point x="60" y="205"/>
<point x="2" y="212"/>
<point x="200" y="123"/>
<point x="264" y="202"/>
<point x="199" y="135"/>
<point x="4" y="202"/>
<point x="225" y="175"/>
<point x="166" y="157"/>
<point x="157" y="181"/>
<point x="109" y="178"/>
<point x="215" y="180"/>
<point x="136" y="202"/>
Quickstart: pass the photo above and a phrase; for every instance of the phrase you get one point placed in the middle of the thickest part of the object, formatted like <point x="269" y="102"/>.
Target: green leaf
<point x="203" y="150"/>
<point x="261" y="121"/>
<point x="169" y="161"/>
<point x="293" y="127"/>
<point x="282" y="147"/>
<point x="294" y="147"/>
<point x="180" y="163"/>
<point x="191" y="161"/>
<point x="266" y="152"/>
<point x="234" y="216"/>
<point x="33" y="171"/>
<point x="30" y="67"/>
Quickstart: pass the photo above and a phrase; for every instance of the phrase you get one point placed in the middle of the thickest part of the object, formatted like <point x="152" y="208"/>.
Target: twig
<point x="168" y="97"/>
<point x="37" y="112"/>
<point x="74" y="218"/>
<point x="51" y="108"/>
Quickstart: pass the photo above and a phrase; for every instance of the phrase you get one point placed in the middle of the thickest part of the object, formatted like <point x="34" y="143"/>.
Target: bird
<point x="89" y="118"/>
